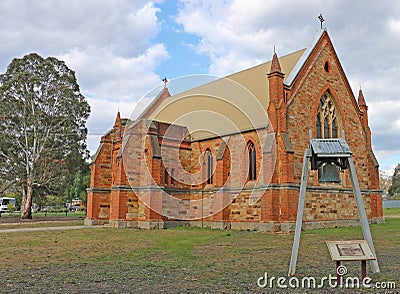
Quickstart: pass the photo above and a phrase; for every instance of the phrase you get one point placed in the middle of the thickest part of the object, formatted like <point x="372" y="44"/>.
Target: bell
<point x="330" y="173"/>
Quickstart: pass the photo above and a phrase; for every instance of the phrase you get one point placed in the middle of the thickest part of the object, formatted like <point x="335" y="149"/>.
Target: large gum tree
<point x="42" y="126"/>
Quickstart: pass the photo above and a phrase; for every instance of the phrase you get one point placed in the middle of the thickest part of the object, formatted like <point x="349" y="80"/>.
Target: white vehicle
<point x="6" y="201"/>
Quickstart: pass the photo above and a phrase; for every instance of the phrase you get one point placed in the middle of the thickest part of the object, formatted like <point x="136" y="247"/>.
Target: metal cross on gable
<point x="165" y="81"/>
<point x="321" y="19"/>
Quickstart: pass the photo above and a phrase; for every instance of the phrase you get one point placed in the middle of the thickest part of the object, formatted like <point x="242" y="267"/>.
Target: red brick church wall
<point x="311" y="84"/>
<point x="292" y="111"/>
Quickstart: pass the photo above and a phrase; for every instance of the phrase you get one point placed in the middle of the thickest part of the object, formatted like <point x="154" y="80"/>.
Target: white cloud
<point x="102" y="74"/>
<point x="388" y="160"/>
<point x="53" y="26"/>
<point x="248" y="30"/>
<point x="236" y="34"/>
<point x="102" y="118"/>
<point x="394" y="26"/>
<point x="109" y="44"/>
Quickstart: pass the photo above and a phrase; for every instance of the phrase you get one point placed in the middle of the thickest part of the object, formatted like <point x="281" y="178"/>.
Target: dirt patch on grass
<point x="394" y="216"/>
<point x="18" y="220"/>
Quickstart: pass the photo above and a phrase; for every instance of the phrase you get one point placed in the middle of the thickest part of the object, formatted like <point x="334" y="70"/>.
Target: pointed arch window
<point x="334" y="128"/>
<point x="209" y="163"/>
<point x="326" y="123"/>
<point x="326" y="126"/>
<point x="252" y="161"/>
<point x="319" y="135"/>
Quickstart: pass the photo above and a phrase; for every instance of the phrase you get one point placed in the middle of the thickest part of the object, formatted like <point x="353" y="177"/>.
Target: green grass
<point x="391" y="211"/>
<point x="40" y="219"/>
<point x="61" y="223"/>
<point x="192" y="260"/>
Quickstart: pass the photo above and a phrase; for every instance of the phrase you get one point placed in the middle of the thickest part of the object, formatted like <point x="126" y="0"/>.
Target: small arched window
<point x="209" y="163"/>
<point x="327" y="67"/>
<point x="252" y="161"/>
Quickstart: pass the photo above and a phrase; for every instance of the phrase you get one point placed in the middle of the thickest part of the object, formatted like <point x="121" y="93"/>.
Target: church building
<point x="228" y="154"/>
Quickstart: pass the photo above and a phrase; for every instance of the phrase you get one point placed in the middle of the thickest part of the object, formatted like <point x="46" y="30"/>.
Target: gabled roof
<point x="155" y="103"/>
<point x="255" y="78"/>
<point x="227" y="105"/>
<point x="226" y="98"/>
<point x="306" y="53"/>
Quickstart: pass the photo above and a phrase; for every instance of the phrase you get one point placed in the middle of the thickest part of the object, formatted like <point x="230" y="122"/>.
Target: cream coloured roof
<point x="255" y="78"/>
<point x="224" y="106"/>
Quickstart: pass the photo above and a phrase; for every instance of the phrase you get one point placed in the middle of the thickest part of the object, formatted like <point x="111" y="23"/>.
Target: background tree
<point x="394" y="189"/>
<point x="5" y="186"/>
<point x="385" y="181"/>
<point x="77" y="188"/>
<point x="42" y="126"/>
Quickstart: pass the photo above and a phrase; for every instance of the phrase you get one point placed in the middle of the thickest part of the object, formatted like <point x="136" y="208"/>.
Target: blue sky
<point x="183" y="60"/>
<point x="122" y="49"/>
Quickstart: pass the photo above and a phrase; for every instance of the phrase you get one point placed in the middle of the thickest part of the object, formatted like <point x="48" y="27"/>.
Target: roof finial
<point x="165" y="81"/>
<point x="274" y="49"/>
<point x="321" y="19"/>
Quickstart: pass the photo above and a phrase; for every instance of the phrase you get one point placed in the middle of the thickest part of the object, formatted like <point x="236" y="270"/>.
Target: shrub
<point x="11" y="208"/>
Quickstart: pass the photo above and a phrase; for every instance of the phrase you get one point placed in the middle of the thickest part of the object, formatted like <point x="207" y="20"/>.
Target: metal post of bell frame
<point x="300" y="210"/>
<point x="362" y="213"/>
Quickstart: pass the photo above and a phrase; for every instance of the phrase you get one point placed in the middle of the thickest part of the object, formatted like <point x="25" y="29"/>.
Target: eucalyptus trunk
<point x="26" y="205"/>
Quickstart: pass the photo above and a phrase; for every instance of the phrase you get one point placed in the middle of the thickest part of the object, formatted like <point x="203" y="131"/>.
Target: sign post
<point x="353" y="250"/>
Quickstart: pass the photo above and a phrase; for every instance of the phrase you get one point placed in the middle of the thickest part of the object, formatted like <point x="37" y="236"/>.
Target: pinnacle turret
<point x="118" y="122"/>
<point x="275" y="65"/>
<point x="361" y="100"/>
